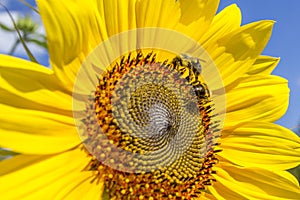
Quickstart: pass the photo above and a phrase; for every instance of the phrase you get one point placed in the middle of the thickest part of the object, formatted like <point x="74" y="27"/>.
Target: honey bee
<point x="192" y="65"/>
<point x="192" y="62"/>
<point x="201" y="90"/>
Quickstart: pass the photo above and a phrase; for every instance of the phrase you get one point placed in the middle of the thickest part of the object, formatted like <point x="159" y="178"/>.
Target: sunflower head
<point x="151" y="122"/>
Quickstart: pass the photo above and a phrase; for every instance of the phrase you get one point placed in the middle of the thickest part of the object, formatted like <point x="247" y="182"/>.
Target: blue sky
<point x="284" y="43"/>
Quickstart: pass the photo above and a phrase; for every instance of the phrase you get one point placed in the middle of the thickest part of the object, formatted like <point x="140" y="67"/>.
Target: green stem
<point x="13" y="48"/>
<point x="31" y="57"/>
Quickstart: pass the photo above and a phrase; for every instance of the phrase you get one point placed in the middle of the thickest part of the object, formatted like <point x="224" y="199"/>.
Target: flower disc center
<point x="155" y="109"/>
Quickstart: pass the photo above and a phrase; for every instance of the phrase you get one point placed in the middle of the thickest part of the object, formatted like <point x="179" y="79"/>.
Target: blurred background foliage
<point x="28" y="30"/>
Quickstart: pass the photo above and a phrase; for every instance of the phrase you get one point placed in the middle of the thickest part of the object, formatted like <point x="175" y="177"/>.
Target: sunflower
<point x="147" y="100"/>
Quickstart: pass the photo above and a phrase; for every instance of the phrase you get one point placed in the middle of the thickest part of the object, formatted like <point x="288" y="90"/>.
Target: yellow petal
<point x="263" y="65"/>
<point x="223" y="192"/>
<point x="261" y="144"/>
<point x="157" y="13"/>
<point x="27" y="85"/>
<point x="73" y="29"/>
<point x="235" y="53"/>
<point x="35" y="144"/>
<point x="252" y="183"/>
<point x="36" y="122"/>
<point x="289" y="176"/>
<point x="36" y="132"/>
<point x="33" y="104"/>
<point x="206" y="196"/>
<point x="228" y="20"/>
<point x="48" y="177"/>
<point x="119" y="15"/>
<point x="194" y="10"/>
<point x="83" y="185"/>
<point x="263" y="98"/>
<point x="196" y="17"/>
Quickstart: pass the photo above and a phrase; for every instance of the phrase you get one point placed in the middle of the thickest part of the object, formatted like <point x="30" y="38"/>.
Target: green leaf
<point x="37" y="42"/>
<point x="6" y="28"/>
<point x="296" y="172"/>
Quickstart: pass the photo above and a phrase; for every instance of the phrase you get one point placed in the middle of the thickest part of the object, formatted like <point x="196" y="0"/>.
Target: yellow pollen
<point x="123" y="191"/>
<point x="130" y="190"/>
